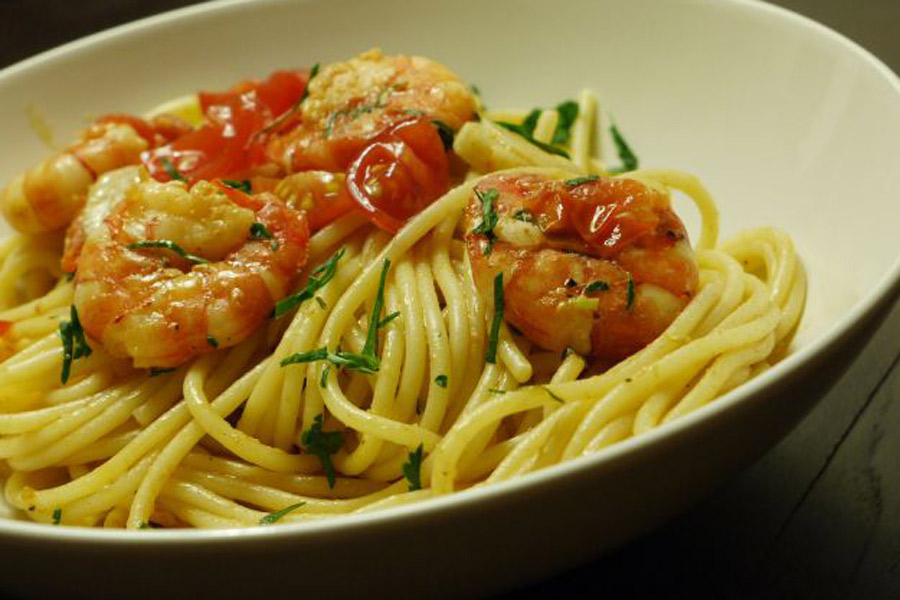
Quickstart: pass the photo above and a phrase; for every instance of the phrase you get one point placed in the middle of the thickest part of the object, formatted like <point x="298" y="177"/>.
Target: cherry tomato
<point x="231" y="140"/>
<point x="402" y="170"/>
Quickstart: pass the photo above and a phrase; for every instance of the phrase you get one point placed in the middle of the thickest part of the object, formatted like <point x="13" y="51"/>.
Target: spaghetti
<point x="274" y="429"/>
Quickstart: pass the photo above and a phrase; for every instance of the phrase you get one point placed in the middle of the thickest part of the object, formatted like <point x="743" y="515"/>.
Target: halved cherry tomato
<point x="229" y="142"/>
<point x="402" y="170"/>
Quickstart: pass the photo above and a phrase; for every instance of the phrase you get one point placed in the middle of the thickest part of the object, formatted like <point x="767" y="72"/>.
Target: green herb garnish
<point x="580" y="180"/>
<point x="258" y="231"/>
<point x="412" y="469"/>
<point x="496" y="391"/>
<point x="382" y="323"/>
<point x="57" y="516"/>
<point x="491" y="355"/>
<point x="522" y="131"/>
<point x="441" y="381"/>
<point x="157" y="371"/>
<point x="626" y="155"/>
<point x="212" y="341"/>
<point x="316" y="281"/>
<point x="74" y="343"/>
<point x="323" y="381"/>
<point x="312" y="73"/>
<point x="242" y="185"/>
<point x="596" y="286"/>
<point x="629" y="302"/>
<point x="169" y="245"/>
<point x="489" y="217"/>
<point x="445" y="132"/>
<point x="322" y="444"/>
<point x="524" y="215"/>
<point x="568" y="113"/>
<point x="552" y="395"/>
<point x="320" y="302"/>
<point x="173" y="172"/>
<point x="274" y="517"/>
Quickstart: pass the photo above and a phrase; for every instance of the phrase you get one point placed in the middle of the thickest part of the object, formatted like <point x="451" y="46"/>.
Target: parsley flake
<point x="258" y="231"/>
<point x="74" y="343"/>
<point x="57" y="516"/>
<point x="629" y="160"/>
<point x="316" y="281"/>
<point x="596" y="286"/>
<point x="489" y="217"/>
<point x="524" y="215"/>
<point x="322" y="444"/>
<point x="169" y="245"/>
<point x="491" y="355"/>
<point x="412" y="469"/>
<point x="172" y="171"/>
<point x="629" y="301"/>
<point x="157" y="371"/>
<point x="568" y="113"/>
<point x="212" y="341"/>
<point x="242" y="185"/>
<point x="580" y="180"/>
<point x="274" y="517"/>
<point x="441" y="381"/>
<point x="312" y="73"/>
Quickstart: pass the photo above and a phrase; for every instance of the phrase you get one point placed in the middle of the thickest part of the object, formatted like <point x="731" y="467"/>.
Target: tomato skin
<point x="401" y="171"/>
<point x="231" y="140"/>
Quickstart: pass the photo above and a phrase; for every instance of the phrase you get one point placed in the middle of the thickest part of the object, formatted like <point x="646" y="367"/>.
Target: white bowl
<point x="787" y="122"/>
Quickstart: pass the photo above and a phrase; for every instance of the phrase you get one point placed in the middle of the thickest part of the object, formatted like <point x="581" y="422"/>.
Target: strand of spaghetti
<point x="101" y="449"/>
<point x="545" y="126"/>
<point x="211" y="420"/>
<point x="186" y="514"/>
<point x="36" y="419"/>
<point x="487" y="148"/>
<point x="370" y="446"/>
<point x="400" y="499"/>
<point x="176" y="448"/>
<point x="615" y="431"/>
<point x="414" y="343"/>
<point x="299" y="336"/>
<point x="34" y="441"/>
<point x="438" y="347"/>
<point x="58" y="296"/>
<point x="314" y="486"/>
<point x="111" y="417"/>
<point x="204" y="499"/>
<point x="583" y="131"/>
<point x="652" y="411"/>
<point x="112" y="494"/>
<point x="454" y="302"/>
<point x="624" y="397"/>
<point x="717" y="375"/>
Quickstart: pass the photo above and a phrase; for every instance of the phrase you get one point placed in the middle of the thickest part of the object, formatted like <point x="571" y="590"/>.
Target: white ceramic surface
<point x="788" y="124"/>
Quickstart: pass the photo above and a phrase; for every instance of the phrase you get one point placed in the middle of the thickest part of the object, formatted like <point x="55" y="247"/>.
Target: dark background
<point x="818" y="517"/>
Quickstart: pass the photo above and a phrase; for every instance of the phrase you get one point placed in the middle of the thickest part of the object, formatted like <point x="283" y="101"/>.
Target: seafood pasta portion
<point x="350" y="287"/>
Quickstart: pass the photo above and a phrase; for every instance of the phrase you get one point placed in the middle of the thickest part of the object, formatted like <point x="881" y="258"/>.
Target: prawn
<point x="48" y="196"/>
<point x="386" y="124"/>
<point x="601" y="265"/>
<point x="166" y="272"/>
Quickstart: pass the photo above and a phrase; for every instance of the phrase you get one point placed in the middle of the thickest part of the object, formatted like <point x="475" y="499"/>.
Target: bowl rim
<point x="864" y="309"/>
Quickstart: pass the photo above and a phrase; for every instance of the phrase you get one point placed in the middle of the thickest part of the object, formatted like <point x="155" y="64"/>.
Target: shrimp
<point x="350" y="103"/>
<point x="600" y="265"/>
<point x="48" y="196"/>
<point x="166" y="272"/>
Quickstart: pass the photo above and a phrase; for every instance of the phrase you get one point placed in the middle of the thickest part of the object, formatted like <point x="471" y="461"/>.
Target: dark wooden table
<point x="817" y="517"/>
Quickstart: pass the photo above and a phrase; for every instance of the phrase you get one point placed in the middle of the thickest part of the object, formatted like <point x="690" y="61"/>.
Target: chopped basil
<point x="441" y="381"/>
<point x="212" y="341"/>
<point x="629" y="302"/>
<point x="580" y="180"/>
<point x="629" y="160"/>
<point x="412" y="469"/>
<point x="242" y="185"/>
<point x="445" y="132"/>
<point x="491" y="355"/>
<point x="596" y="286"/>
<point x="322" y="444"/>
<point x="258" y="231"/>
<point x="316" y="281"/>
<point x="169" y="245"/>
<point x="522" y="131"/>
<point x="568" y="112"/>
<point x="274" y="517"/>
<point x="323" y="381"/>
<point x="173" y="172"/>
<point x="74" y="343"/>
